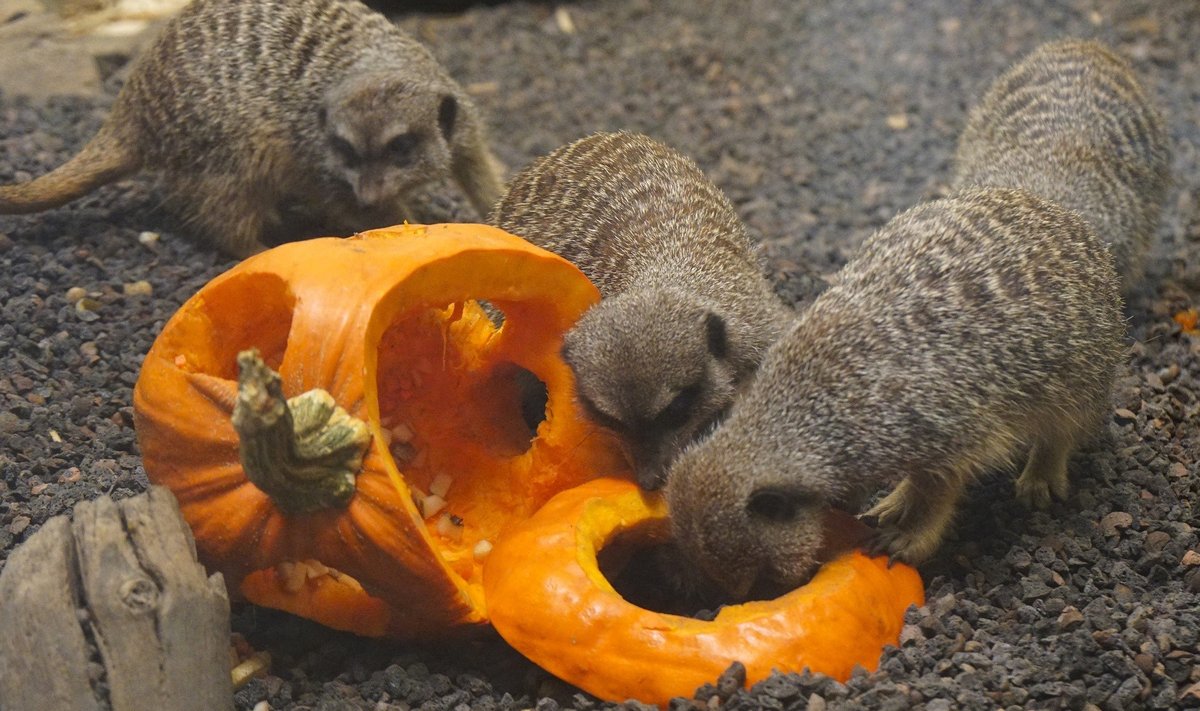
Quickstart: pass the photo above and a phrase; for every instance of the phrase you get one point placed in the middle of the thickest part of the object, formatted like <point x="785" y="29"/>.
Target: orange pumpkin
<point x="548" y="599"/>
<point x="385" y="535"/>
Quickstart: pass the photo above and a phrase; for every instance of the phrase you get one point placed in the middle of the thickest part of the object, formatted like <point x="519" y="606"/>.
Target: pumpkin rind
<point x="549" y="600"/>
<point x="317" y="311"/>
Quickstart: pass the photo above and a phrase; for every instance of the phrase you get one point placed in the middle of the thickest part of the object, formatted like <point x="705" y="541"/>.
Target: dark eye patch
<point x="344" y="149"/>
<point x="402" y="148"/>
<point x="680" y="409"/>
<point x="600" y="417"/>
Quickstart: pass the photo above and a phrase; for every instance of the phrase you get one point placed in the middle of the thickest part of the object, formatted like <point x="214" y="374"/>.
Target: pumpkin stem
<point x="303" y="452"/>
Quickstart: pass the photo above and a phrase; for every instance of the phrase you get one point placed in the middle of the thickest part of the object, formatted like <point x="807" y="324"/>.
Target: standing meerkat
<point x="269" y="119"/>
<point x="1071" y="123"/>
<point x="967" y="332"/>
<point x="686" y="314"/>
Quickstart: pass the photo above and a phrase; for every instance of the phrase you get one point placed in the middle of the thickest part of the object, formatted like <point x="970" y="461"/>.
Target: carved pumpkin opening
<point x="646" y="569"/>
<point x="264" y="304"/>
<point x="451" y="407"/>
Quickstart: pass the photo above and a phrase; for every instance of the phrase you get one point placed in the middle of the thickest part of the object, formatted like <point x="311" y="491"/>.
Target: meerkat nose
<point x="370" y="190"/>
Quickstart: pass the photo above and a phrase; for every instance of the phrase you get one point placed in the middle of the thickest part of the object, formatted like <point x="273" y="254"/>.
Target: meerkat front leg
<point x="913" y="518"/>
<point x="1045" y="474"/>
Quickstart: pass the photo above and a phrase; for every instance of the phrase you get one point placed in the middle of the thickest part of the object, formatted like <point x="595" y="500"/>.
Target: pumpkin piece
<point x="548" y="598"/>
<point x="1188" y="320"/>
<point x="386" y="323"/>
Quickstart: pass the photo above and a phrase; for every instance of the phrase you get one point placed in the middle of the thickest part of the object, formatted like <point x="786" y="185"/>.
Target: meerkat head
<point x="652" y="365"/>
<point x="387" y="136"/>
<point x="743" y="514"/>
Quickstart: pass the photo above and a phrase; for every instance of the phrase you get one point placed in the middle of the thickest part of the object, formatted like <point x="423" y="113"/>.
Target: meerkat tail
<point x="103" y="160"/>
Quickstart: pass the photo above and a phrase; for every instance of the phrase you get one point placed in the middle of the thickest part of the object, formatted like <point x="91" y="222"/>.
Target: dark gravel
<point x="821" y="120"/>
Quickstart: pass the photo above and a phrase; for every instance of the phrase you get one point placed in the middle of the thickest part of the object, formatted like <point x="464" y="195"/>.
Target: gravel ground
<point x="821" y="120"/>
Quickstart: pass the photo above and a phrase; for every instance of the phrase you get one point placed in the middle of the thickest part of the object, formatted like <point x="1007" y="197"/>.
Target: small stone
<point x="148" y="239"/>
<point x="1069" y="618"/>
<point x="75" y="294"/>
<point x="1124" y="415"/>
<point x="911" y="634"/>
<point x="137" y="288"/>
<point x="1114" y="522"/>
<point x="6" y="243"/>
<point x="1123" y="593"/>
<point x="816" y="702"/>
<point x="1177" y="471"/>
<point x="1190" y="559"/>
<point x="897" y="122"/>
<point x="1169" y="374"/>
<point x="1156" y="541"/>
<point x="732" y="680"/>
<point x="19" y="524"/>
<point x="87" y="305"/>
<point x="1145" y="662"/>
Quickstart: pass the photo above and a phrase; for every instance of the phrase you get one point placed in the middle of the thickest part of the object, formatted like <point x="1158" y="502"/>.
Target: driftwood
<point x="113" y="611"/>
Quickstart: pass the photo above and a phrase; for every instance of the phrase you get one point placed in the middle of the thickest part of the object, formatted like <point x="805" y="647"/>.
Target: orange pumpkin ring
<point x="358" y="318"/>
<point x="547" y="598"/>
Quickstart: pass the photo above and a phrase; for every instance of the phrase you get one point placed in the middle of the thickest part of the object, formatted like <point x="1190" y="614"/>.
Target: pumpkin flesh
<point x="548" y="598"/>
<point x="387" y="323"/>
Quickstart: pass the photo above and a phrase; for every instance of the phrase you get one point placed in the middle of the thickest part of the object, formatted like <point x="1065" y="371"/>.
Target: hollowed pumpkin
<point x="421" y="385"/>
<point x="548" y="598"/>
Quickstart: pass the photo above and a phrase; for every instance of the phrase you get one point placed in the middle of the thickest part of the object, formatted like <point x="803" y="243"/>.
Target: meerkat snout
<point x="656" y="411"/>
<point x="387" y="137"/>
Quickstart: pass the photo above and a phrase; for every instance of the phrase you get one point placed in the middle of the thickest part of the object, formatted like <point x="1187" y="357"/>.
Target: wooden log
<point x="113" y="611"/>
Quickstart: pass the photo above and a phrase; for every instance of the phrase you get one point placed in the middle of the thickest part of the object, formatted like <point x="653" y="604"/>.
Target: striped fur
<point x="687" y="313"/>
<point x="967" y="332"/>
<point x="1071" y="123"/>
<point x="234" y="103"/>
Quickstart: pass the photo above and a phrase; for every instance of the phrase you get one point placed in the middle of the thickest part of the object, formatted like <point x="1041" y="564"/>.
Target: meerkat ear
<point x="447" y="114"/>
<point x="714" y="327"/>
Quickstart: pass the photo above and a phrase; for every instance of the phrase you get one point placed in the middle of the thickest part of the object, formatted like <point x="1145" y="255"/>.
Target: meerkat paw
<point x="893" y="509"/>
<point x="1045" y="476"/>
<point x="904" y="545"/>
<point x="1033" y="492"/>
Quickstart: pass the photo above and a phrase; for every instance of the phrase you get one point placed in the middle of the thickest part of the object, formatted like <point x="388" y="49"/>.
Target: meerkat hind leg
<point x="1045" y="474"/>
<point x="914" y="517"/>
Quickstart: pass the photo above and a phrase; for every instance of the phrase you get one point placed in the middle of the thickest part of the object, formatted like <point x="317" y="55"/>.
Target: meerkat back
<point x="687" y="312"/>
<point x="1071" y="123"/>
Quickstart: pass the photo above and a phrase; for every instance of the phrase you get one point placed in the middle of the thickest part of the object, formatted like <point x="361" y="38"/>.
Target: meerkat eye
<point x="778" y="505"/>
<point x="344" y="149"/>
<point x="601" y="417"/>
<point x="680" y="408"/>
<point x="401" y="148"/>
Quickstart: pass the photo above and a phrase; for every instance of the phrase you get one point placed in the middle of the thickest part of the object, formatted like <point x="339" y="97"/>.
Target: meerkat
<point x="279" y="119"/>
<point x="686" y="313"/>
<point x="1071" y="123"/>
<point x="967" y="331"/>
